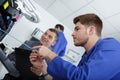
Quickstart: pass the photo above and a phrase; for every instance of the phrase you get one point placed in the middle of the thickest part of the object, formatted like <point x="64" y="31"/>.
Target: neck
<point x="91" y="42"/>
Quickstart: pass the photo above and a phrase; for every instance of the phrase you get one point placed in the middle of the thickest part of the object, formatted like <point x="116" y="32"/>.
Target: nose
<point x="45" y="37"/>
<point x="72" y="34"/>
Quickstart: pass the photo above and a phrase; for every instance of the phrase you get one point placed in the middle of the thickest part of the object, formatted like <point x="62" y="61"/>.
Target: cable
<point x="16" y="39"/>
<point x="30" y="9"/>
<point x="27" y="4"/>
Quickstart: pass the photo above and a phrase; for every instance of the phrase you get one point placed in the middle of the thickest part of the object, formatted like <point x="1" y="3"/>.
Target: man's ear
<point x="91" y="30"/>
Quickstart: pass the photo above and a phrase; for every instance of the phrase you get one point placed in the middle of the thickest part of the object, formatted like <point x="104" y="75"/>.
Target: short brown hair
<point x="59" y="26"/>
<point x="90" y="19"/>
<point x="54" y="31"/>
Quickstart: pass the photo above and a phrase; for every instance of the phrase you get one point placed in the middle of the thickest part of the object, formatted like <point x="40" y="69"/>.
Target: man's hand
<point x="35" y="59"/>
<point x="45" y="52"/>
<point x="40" y="70"/>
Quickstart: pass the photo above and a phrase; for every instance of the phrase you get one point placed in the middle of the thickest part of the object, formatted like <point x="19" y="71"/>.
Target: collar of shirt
<point x="86" y="56"/>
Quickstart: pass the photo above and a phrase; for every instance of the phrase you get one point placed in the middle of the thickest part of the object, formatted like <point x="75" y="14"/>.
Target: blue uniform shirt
<point x="102" y="62"/>
<point x="60" y="45"/>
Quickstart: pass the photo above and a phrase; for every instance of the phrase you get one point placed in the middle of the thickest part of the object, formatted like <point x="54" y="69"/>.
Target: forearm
<point x="59" y="70"/>
<point x="51" y="56"/>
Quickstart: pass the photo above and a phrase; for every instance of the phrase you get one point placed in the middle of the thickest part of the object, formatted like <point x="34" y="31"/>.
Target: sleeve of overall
<point x="63" y="70"/>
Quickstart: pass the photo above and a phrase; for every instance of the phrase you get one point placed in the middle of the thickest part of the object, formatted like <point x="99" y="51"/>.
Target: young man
<point x="61" y="43"/>
<point x="101" y="60"/>
<point x="48" y="38"/>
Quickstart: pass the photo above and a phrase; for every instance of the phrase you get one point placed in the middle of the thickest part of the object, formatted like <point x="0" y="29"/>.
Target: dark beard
<point x="82" y="44"/>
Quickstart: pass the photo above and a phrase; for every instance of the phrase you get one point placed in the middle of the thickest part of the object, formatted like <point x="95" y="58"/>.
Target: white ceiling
<point x="66" y="10"/>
